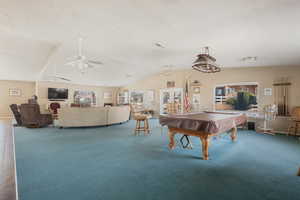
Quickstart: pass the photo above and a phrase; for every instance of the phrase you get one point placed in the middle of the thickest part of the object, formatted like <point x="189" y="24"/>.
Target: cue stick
<point x="287" y="100"/>
<point x="285" y="97"/>
<point x="274" y="97"/>
<point x="283" y="90"/>
<point x="282" y="96"/>
<point x="286" y="103"/>
<point x="280" y="99"/>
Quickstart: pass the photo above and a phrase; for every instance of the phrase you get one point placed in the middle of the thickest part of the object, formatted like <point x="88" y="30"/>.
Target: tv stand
<point x="56" y="100"/>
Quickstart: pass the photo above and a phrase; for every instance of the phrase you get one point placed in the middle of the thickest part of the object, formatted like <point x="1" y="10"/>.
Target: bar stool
<point x="138" y="127"/>
<point x="295" y="122"/>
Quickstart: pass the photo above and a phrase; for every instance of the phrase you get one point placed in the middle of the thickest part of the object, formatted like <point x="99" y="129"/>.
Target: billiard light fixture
<point x="206" y="63"/>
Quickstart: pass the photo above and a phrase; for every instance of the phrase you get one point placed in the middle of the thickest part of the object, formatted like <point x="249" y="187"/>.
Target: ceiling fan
<point x="81" y="62"/>
<point x="56" y="78"/>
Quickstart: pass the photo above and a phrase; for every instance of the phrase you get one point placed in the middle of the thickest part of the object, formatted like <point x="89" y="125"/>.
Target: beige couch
<point x="92" y="116"/>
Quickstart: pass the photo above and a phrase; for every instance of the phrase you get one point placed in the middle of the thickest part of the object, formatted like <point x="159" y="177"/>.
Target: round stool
<point x="138" y="127"/>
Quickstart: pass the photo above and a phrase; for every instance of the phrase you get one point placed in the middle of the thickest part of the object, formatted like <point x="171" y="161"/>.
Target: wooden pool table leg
<point x="234" y="133"/>
<point x="205" y="145"/>
<point x="172" y="141"/>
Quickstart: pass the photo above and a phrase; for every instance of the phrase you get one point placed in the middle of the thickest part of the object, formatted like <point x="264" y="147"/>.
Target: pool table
<point x="202" y="125"/>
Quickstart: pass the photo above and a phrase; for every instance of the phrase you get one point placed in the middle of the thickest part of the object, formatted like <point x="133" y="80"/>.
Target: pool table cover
<point x="209" y="122"/>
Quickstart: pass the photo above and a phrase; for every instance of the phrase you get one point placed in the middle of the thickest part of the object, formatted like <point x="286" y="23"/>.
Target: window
<point x="220" y="91"/>
<point x="142" y="97"/>
<point x="84" y="97"/>
<point x="136" y="97"/>
<point x="123" y="98"/>
<point x="240" y="96"/>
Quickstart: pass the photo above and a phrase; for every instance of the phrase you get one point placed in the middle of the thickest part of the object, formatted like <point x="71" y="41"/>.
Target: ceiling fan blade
<point x="62" y="78"/>
<point x="159" y="45"/>
<point x="54" y="78"/>
<point x="72" y="58"/>
<point x="90" y="66"/>
<point x="95" y="62"/>
<point x="71" y="63"/>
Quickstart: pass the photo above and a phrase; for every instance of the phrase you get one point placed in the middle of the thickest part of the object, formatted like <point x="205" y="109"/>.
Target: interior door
<point x="171" y="95"/>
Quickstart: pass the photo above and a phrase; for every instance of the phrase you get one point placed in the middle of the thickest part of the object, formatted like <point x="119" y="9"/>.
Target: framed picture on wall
<point x="15" y="92"/>
<point x="268" y="91"/>
<point x="107" y="95"/>
<point x="196" y="89"/>
<point x="170" y="84"/>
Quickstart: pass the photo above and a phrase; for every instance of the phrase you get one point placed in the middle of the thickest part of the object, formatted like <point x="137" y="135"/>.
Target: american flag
<point x="187" y="104"/>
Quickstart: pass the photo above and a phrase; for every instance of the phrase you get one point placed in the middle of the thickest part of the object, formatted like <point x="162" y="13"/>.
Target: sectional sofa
<point x="92" y="116"/>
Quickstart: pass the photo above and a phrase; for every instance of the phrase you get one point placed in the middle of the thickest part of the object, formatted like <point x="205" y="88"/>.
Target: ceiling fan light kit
<point x="159" y="45"/>
<point x="206" y="63"/>
<point x="249" y="58"/>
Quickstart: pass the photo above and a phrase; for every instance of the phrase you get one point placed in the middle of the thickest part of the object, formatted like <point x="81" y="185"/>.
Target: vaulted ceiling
<point x="37" y="37"/>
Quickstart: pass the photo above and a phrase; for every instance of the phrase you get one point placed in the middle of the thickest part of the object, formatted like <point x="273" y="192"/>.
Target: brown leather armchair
<point x="32" y="118"/>
<point x="15" y="110"/>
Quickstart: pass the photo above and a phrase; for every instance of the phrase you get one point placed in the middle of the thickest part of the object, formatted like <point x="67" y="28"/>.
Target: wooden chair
<point x="15" y="110"/>
<point x="141" y="119"/>
<point x="53" y="107"/>
<point x="173" y="108"/>
<point x="295" y="123"/>
<point x="134" y="110"/>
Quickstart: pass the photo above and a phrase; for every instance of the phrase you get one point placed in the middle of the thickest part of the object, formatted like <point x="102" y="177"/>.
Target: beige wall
<point x="264" y="76"/>
<point x="41" y="90"/>
<point x="27" y="90"/>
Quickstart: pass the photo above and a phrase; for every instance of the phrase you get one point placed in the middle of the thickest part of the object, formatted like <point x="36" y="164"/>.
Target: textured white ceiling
<point x="36" y="37"/>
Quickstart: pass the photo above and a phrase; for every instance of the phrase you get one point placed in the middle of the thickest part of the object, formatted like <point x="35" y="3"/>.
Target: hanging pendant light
<point x="206" y="63"/>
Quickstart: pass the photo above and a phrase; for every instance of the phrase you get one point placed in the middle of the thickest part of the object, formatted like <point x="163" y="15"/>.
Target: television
<point x="57" y="93"/>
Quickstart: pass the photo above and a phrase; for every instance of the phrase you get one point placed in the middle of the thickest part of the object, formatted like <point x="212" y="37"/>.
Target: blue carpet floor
<point x="110" y="163"/>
